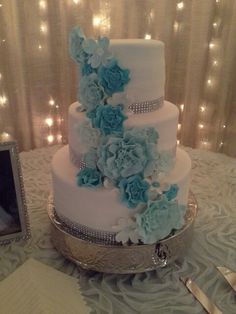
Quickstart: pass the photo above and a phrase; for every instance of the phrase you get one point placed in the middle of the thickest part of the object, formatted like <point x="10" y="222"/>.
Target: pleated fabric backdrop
<point x="38" y="79"/>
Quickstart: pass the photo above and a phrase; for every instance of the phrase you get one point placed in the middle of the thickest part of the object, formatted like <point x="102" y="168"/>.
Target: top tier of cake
<point x="145" y="60"/>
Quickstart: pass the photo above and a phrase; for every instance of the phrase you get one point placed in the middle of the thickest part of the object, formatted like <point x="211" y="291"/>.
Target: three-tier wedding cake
<point x="121" y="173"/>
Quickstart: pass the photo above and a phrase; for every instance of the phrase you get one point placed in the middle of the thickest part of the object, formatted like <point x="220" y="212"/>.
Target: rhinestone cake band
<point x="83" y="232"/>
<point x="77" y="160"/>
<point x="146" y="106"/>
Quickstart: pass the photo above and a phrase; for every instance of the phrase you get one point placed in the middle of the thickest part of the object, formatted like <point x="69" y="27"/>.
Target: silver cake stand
<point x="102" y="257"/>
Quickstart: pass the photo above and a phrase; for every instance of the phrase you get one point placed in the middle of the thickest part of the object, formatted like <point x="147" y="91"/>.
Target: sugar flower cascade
<point x="123" y="158"/>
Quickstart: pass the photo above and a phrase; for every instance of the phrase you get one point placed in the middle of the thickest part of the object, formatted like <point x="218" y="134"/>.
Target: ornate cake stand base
<point x="118" y="258"/>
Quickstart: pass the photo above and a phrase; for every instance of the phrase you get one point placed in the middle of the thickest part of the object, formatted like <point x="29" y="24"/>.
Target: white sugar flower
<point x="126" y="230"/>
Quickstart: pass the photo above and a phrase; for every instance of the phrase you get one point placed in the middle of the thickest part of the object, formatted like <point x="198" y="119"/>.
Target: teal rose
<point x="172" y="192"/>
<point x="91" y="93"/>
<point x="122" y="157"/>
<point x="112" y="77"/>
<point x="133" y="191"/>
<point x="108" y="119"/>
<point x="88" y="177"/>
<point x="159" y="219"/>
<point x="76" y="40"/>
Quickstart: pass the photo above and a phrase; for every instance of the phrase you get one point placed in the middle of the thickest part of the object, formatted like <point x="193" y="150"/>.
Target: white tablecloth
<point x="214" y="243"/>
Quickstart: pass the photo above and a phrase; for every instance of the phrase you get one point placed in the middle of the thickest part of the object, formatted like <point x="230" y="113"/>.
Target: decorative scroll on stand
<point x="93" y="255"/>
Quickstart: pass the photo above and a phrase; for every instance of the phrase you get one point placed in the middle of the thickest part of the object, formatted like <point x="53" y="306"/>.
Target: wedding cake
<point x="121" y="174"/>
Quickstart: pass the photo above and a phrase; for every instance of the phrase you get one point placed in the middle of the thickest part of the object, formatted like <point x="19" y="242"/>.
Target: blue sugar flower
<point x="122" y="157"/>
<point x="112" y="77"/>
<point x="98" y="51"/>
<point x="76" y="40"/>
<point x="86" y="69"/>
<point x="133" y="190"/>
<point x="88" y="177"/>
<point x="159" y="219"/>
<point x="91" y="93"/>
<point x="172" y="192"/>
<point x="108" y="119"/>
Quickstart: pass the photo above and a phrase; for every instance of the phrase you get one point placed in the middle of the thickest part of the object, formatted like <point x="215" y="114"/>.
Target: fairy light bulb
<point x="0" y="5"/>
<point x="51" y="102"/>
<point x="215" y="24"/>
<point x="49" y="121"/>
<point x="209" y="82"/>
<point x="182" y="107"/>
<point x="148" y="36"/>
<point x="40" y="47"/>
<point x="178" y="142"/>
<point x="59" y="138"/>
<point x="201" y="126"/>
<point x="179" y="126"/>
<point x="43" y="28"/>
<point x="215" y="62"/>
<point x="0" y="76"/>
<point x="223" y="126"/>
<point x="76" y="1"/>
<point x="50" y="138"/>
<point x="3" y="100"/>
<point x="180" y="5"/>
<point x="42" y="4"/>
<point x="5" y="136"/>
<point x="96" y="20"/>
<point x="176" y="26"/>
<point x="202" y="108"/>
<point x="211" y="45"/>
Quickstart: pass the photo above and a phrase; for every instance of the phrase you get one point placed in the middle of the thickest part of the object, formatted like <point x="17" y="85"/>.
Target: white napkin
<point x="35" y="288"/>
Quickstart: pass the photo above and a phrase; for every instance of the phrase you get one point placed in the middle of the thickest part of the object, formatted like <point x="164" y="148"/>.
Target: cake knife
<point x="210" y="307"/>
<point x="229" y="275"/>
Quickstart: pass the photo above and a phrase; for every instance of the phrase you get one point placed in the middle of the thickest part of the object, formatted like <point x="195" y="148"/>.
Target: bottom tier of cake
<point x="100" y="209"/>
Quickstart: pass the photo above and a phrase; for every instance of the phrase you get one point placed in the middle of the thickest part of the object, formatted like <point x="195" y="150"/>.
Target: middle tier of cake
<point x="100" y="208"/>
<point x="163" y="120"/>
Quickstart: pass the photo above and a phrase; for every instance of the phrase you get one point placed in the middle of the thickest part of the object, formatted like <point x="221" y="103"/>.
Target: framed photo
<point x="14" y="223"/>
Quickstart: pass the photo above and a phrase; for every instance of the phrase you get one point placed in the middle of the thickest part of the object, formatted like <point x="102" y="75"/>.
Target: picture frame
<point x="14" y="223"/>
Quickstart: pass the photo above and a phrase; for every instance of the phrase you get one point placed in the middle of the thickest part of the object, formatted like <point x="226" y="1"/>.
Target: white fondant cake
<point x="121" y="171"/>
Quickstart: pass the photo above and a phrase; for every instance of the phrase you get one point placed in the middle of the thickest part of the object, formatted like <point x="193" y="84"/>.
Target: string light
<point x="179" y="126"/>
<point x="176" y="26"/>
<point x="59" y="138"/>
<point x="43" y="27"/>
<point x="42" y="4"/>
<point x="0" y="76"/>
<point x="49" y="121"/>
<point x="51" y="102"/>
<point x="215" y="62"/>
<point x="209" y="82"/>
<point x="76" y="1"/>
<point x="221" y="144"/>
<point x="203" y="108"/>
<point x="215" y="24"/>
<point x="178" y="142"/>
<point x="50" y="138"/>
<point x="5" y="136"/>
<point x="97" y="20"/>
<point x="180" y="5"/>
<point x="201" y="126"/>
<point x="40" y="47"/>
<point x="223" y="126"/>
<point x="3" y="100"/>
<point x="0" y="5"/>
<point x="148" y="36"/>
<point x="211" y="45"/>
<point x="3" y="40"/>
<point x="182" y="107"/>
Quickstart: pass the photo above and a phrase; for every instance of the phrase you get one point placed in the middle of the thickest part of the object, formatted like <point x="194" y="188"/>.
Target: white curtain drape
<point x="38" y="79"/>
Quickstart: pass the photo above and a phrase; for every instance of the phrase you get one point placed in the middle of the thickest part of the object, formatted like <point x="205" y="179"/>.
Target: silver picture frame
<point x="14" y="222"/>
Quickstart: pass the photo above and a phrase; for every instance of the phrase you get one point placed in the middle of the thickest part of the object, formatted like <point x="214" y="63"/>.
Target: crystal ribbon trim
<point x="146" y="106"/>
<point x="77" y="159"/>
<point x="84" y="232"/>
